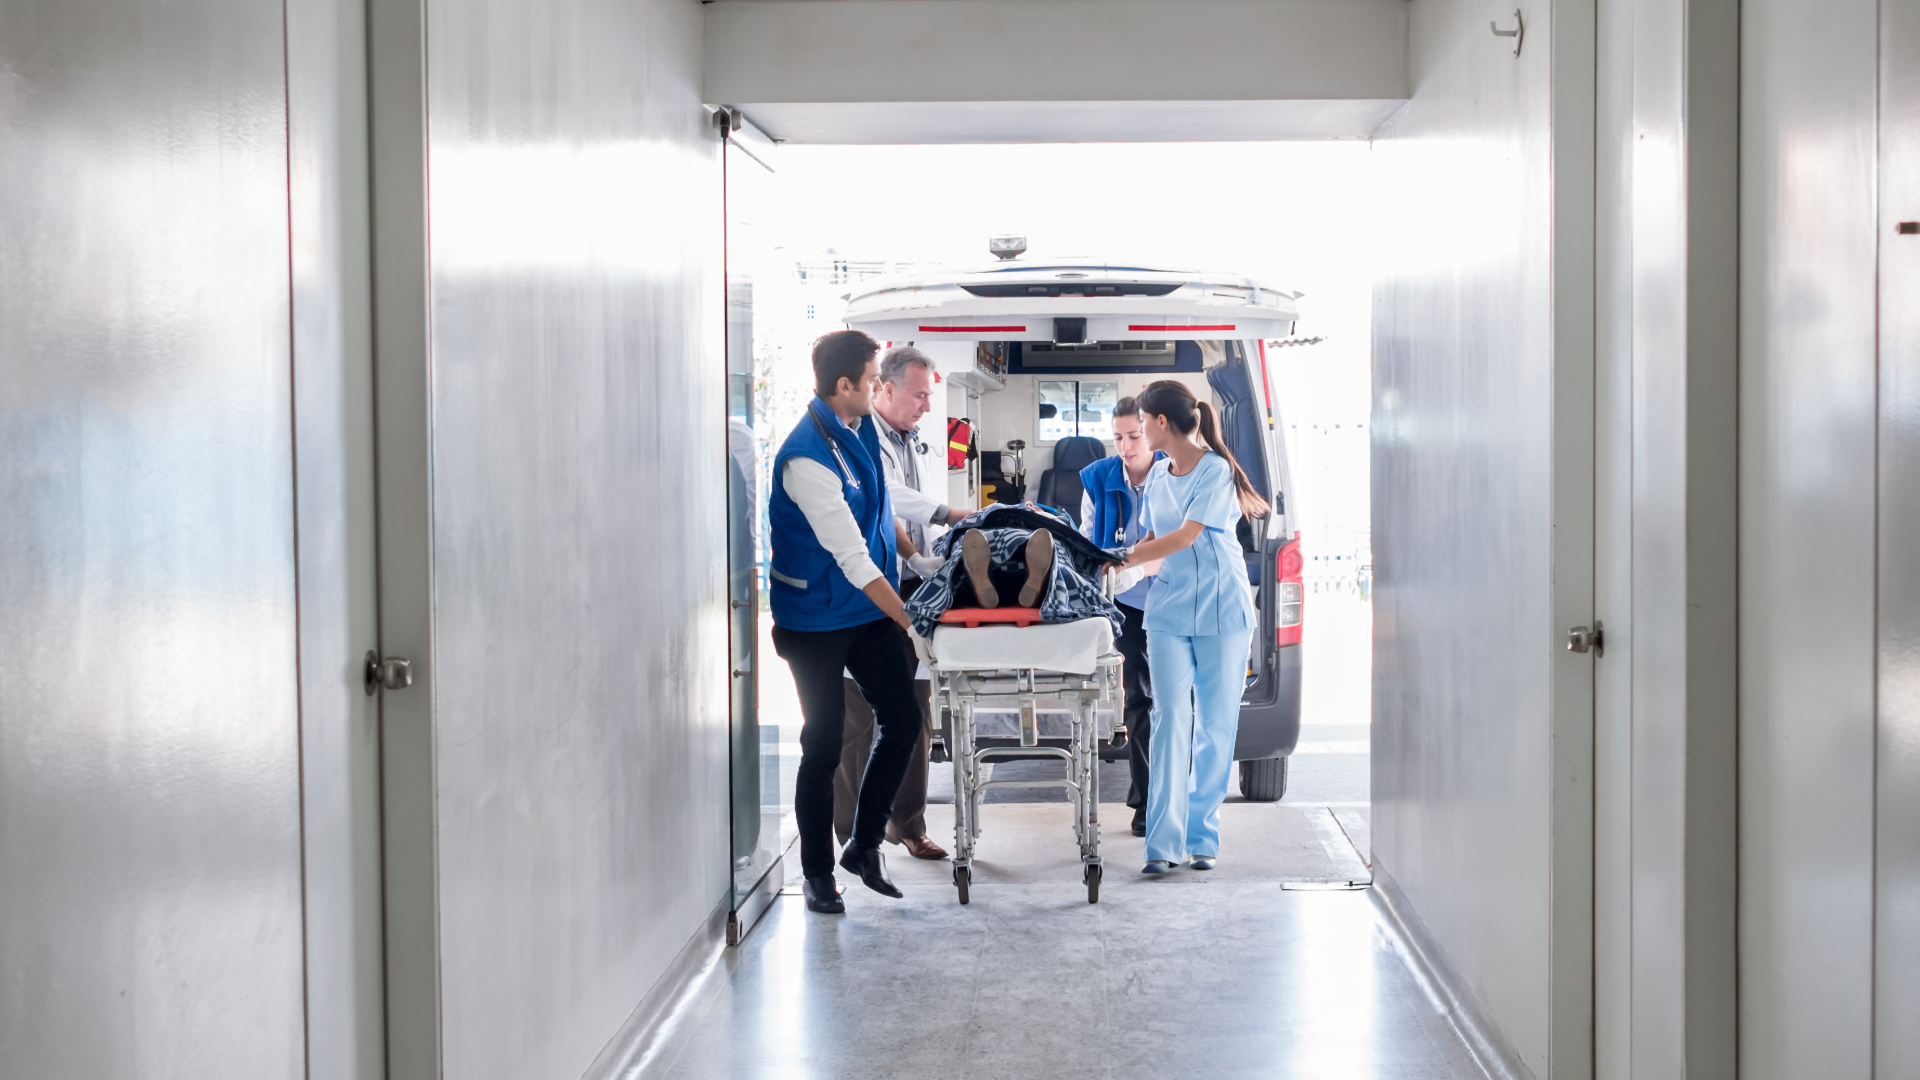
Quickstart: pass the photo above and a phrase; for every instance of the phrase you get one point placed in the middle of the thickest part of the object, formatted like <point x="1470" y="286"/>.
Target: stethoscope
<point x="834" y="445"/>
<point x="1120" y="500"/>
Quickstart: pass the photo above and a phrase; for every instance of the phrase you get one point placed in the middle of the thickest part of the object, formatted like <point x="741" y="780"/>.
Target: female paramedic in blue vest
<point x="833" y="586"/>
<point x="1112" y="514"/>
<point x="1200" y="620"/>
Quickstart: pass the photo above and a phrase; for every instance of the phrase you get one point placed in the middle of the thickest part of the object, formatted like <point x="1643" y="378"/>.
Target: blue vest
<point x="1105" y="482"/>
<point x="806" y="589"/>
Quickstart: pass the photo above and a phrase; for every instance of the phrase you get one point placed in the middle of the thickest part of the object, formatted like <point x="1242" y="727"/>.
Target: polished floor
<point x="1272" y="966"/>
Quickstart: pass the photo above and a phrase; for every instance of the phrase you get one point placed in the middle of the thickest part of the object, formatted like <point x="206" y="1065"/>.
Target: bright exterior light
<point x="1007" y="247"/>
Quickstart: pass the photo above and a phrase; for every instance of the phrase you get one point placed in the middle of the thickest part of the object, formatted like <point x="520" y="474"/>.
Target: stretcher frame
<point x="962" y="691"/>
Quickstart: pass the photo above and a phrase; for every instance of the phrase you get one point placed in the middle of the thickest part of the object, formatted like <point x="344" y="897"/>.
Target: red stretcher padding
<point x="974" y="617"/>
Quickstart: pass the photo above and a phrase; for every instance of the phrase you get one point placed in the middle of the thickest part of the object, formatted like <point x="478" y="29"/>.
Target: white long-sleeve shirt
<point x="912" y="506"/>
<point x="909" y="502"/>
<point x="817" y="491"/>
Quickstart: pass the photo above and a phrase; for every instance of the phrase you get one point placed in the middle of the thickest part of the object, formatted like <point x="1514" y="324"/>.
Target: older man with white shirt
<point x="904" y="396"/>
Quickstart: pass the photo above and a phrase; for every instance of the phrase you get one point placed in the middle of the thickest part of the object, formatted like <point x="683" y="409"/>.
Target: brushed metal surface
<point x="1664" y="725"/>
<point x="396" y="85"/>
<point x="1613" y="545"/>
<point x="1807" y="495"/>
<point x="579" y="652"/>
<point x="1468" y="638"/>
<point x="1571" y="34"/>
<point x="333" y="438"/>
<point x="149" y="728"/>
<point x="978" y="51"/>
<point x="1682" y="231"/>
<point x="1896" y="960"/>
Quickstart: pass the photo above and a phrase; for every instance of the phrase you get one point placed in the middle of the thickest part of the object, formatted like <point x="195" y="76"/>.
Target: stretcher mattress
<point x="1074" y="647"/>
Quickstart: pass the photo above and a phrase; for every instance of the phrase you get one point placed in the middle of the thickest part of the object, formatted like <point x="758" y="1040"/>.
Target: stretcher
<point x="1003" y="658"/>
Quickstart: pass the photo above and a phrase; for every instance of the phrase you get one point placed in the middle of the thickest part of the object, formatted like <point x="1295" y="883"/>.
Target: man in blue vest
<point x="1113" y="493"/>
<point x="833" y="586"/>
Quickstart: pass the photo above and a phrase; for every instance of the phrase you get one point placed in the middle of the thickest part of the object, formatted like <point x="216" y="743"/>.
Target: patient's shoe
<point x="1039" y="566"/>
<point x="1202" y="862"/>
<point x="1157" y="866"/>
<point x="976" y="557"/>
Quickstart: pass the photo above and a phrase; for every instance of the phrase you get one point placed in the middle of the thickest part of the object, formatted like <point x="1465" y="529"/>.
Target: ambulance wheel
<point x="1093" y="884"/>
<point x="1264" y="780"/>
<point x="963" y="877"/>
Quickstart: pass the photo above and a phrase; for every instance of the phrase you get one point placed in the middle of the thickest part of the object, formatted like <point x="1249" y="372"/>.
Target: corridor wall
<point x="150" y="858"/>
<point x="575" y="410"/>
<point x="1807" y="555"/>
<point x="1462" y="494"/>
<point x="1482" y="462"/>
<point x="185" y="743"/>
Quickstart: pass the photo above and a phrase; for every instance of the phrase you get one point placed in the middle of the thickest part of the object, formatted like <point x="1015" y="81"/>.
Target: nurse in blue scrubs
<point x="1200" y="619"/>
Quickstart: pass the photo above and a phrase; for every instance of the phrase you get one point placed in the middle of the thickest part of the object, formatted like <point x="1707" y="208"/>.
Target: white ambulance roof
<point x="1019" y="301"/>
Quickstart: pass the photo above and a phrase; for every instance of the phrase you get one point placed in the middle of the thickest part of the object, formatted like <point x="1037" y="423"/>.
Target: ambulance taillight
<point x="1292" y="597"/>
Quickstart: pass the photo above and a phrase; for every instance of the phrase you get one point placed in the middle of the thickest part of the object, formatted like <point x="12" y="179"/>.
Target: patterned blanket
<point x="1070" y="594"/>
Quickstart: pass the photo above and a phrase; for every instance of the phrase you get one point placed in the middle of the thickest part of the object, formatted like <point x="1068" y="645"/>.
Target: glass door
<point x="762" y="802"/>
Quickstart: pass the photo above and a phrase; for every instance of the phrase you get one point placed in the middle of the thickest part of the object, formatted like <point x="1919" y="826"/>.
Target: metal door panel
<point x="1613" y="548"/>
<point x="333" y="430"/>
<point x="577" y="529"/>
<point x="1896" y="961"/>
<point x="1806" y="629"/>
<point x="150" y="872"/>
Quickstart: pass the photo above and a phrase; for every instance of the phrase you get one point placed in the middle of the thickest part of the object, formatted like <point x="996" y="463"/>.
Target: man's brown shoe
<point x="976" y="557"/>
<point x="1039" y="567"/>
<point x="922" y="848"/>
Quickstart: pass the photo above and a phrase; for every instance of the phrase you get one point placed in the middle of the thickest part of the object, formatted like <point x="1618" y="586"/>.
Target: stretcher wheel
<point x="963" y="877"/>
<point x="1093" y="884"/>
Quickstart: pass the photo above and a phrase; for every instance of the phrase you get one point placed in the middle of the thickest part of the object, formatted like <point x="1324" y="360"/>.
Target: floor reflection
<point x="1188" y="976"/>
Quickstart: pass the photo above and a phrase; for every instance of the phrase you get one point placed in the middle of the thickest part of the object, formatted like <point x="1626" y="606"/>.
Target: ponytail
<point x="1251" y="503"/>
<point x="1171" y="399"/>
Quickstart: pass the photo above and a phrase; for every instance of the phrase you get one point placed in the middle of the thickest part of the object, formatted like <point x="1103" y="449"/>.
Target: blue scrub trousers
<point x="1189" y="758"/>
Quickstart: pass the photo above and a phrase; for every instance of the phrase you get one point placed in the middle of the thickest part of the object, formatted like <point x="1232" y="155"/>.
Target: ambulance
<point x="1034" y="353"/>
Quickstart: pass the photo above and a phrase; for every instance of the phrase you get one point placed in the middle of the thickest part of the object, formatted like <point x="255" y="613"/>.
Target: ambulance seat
<point x="1060" y="485"/>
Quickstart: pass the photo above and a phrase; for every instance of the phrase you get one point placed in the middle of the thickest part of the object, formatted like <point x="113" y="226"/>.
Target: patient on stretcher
<point x="1009" y="556"/>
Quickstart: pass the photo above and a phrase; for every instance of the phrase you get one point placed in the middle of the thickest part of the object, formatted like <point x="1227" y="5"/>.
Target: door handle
<point x="1580" y="639"/>
<point x="393" y="673"/>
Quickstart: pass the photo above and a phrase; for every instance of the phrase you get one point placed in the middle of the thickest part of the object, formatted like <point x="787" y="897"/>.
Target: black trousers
<point x="881" y="662"/>
<point x="1139" y="705"/>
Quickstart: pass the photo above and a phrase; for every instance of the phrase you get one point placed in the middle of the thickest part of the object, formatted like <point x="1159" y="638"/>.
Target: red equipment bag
<point x="960" y="448"/>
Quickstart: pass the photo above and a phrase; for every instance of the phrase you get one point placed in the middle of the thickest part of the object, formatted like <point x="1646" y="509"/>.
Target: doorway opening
<point x="808" y="227"/>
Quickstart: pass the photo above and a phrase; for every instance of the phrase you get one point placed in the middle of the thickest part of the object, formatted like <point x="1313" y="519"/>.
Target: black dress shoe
<point x="823" y="896"/>
<point x="872" y="868"/>
<point x="1139" y="821"/>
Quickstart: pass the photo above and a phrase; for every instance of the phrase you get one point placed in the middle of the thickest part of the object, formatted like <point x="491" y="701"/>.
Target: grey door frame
<point x="335" y="530"/>
<point x="402" y="357"/>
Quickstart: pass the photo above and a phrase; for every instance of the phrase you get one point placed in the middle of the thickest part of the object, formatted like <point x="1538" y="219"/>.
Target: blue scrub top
<point x="1203" y="589"/>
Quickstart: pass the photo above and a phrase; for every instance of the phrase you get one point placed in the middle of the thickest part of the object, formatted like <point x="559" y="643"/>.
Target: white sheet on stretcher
<point x="1074" y="647"/>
